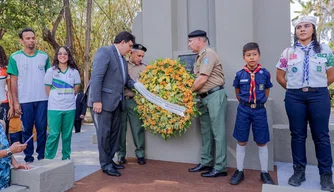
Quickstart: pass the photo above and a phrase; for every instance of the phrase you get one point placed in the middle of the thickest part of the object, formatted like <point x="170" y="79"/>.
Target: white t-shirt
<point x="30" y="72"/>
<point x="62" y="96"/>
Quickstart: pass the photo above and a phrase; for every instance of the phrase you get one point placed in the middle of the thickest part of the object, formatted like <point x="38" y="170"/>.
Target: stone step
<point x="46" y="175"/>
<point x="15" y="188"/>
<point x="276" y="188"/>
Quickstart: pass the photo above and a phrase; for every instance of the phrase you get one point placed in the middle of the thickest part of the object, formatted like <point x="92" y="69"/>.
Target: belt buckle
<point x="253" y="106"/>
<point x="305" y="89"/>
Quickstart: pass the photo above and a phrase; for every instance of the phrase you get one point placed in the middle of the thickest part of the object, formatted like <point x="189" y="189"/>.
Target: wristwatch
<point x="9" y="152"/>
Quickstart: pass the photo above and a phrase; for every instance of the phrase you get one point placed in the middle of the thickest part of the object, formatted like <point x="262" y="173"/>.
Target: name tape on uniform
<point x="174" y="108"/>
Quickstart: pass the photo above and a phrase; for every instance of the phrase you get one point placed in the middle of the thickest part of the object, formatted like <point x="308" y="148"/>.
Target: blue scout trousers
<point x="314" y="108"/>
<point x="34" y="113"/>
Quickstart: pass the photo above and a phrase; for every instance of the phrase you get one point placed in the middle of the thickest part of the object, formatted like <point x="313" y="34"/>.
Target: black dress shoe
<point x="112" y="172"/>
<point x="117" y="166"/>
<point x="214" y="173"/>
<point x="237" y="177"/>
<point x="141" y="161"/>
<point x="122" y="160"/>
<point x="199" y="167"/>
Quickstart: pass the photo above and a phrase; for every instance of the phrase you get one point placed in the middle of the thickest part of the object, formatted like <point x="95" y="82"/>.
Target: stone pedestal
<point x="50" y="176"/>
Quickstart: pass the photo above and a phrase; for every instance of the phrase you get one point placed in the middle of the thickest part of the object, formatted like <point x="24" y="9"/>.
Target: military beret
<point x="139" y="47"/>
<point x="197" y="33"/>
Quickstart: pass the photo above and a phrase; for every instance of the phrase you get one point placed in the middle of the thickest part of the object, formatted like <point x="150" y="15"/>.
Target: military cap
<point x="197" y="33"/>
<point x="139" y="47"/>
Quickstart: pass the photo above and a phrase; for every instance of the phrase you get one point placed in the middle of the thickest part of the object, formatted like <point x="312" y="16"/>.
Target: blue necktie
<point x="306" y="62"/>
<point x="123" y="70"/>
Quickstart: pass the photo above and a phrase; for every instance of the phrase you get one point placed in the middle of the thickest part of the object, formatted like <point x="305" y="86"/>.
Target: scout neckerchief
<point x="252" y="90"/>
<point x="306" y="65"/>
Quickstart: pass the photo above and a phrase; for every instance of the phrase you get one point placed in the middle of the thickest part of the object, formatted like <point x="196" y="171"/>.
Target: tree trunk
<point x="50" y="36"/>
<point x="68" y="23"/>
<point x="87" y="47"/>
<point x="2" y="32"/>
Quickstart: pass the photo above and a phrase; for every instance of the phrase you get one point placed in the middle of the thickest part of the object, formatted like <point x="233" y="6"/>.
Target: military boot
<point x="298" y="175"/>
<point x="326" y="182"/>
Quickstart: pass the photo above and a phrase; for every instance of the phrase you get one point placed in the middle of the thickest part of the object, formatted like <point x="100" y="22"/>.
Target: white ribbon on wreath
<point x="174" y="108"/>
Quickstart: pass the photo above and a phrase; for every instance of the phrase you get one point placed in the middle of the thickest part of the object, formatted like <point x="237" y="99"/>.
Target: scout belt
<point x="252" y="105"/>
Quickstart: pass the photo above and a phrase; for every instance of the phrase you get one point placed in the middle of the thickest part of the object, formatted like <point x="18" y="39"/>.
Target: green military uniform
<point x="212" y="105"/>
<point x="135" y="123"/>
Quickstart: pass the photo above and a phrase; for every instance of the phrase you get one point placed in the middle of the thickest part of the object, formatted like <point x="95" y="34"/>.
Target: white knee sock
<point x="240" y="157"/>
<point x="263" y="155"/>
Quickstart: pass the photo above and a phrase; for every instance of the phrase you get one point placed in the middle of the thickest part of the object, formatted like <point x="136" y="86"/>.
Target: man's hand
<point x="17" y="108"/>
<point x="82" y="116"/>
<point x="17" y="147"/>
<point x="10" y="113"/>
<point x="97" y="107"/>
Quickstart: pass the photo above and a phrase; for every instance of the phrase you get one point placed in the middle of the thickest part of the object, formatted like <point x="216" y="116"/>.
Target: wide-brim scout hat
<point x="303" y="19"/>
<point x="199" y="33"/>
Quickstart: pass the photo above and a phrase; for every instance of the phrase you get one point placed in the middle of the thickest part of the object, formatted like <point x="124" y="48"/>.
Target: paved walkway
<point x="85" y="157"/>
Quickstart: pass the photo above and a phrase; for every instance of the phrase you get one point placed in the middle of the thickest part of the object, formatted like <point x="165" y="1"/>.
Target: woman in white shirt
<point x="305" y="70"/>
<point x="62" y="82"/>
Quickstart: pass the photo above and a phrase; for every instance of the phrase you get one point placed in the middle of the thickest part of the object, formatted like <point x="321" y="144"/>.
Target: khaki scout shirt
<point x="207" y="63"/>
<point x="134" y="71"/>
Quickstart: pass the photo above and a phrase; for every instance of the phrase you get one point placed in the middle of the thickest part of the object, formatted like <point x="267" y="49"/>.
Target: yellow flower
<point x="169" y="80"/>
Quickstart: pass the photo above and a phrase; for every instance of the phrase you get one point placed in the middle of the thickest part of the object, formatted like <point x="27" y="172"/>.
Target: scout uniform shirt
<point x="134" y="71"/>
<point x="242" y="81"/>
<point x="207" y="63"/>
<point x="292" y="62"/>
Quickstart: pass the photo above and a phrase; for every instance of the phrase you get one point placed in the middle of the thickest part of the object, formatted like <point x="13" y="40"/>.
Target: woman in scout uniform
<point x="62" y="82"/>
<point x="305" y="70"/>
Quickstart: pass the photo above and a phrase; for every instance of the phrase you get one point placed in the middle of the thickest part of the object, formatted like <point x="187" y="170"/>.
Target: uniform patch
<point x="261" y="87"/>
<point x="294" y="69"/>
<point x="41" y="67"/>
<point x="243" y="80"/>
<point x="261" y="71"/>
<point x="319" y="68"/>
<point x="206" y="61"/>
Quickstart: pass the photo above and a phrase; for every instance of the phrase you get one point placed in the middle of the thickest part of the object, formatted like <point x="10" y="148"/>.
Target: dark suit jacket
<point x="107" y="83"/>
<point x="81" y="107"/>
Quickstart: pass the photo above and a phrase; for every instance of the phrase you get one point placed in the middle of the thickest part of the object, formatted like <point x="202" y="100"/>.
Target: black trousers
<point x="108" y="132"/>
<point x="4" y="115"/>
<point x="77" y="125"/>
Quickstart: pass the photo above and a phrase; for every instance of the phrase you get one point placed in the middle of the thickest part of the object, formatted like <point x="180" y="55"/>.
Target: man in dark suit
<point x="80" y="111"/>
<point x="106" y="97"/>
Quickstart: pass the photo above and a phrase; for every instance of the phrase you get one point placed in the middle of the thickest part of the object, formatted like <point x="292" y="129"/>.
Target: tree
<point x="87" y="47"/>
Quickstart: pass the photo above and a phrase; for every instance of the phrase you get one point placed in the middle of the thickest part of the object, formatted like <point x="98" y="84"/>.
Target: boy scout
<point x="135" y="67"/>
<point x="209" y="85"/>
<point x="252" y="85"/>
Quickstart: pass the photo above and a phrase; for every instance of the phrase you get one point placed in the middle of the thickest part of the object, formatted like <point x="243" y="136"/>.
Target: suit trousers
<point x="213" y="108"/>
<point x="137" y="130"/>
<point x="108" y="132"/>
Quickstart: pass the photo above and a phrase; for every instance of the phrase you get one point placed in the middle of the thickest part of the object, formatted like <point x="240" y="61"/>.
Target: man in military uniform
<point x="135" y="67"/>
<point x="209" y="85"/>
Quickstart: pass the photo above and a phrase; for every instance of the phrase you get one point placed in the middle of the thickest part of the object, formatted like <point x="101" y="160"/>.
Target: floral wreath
<point x="169" y="80"/>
